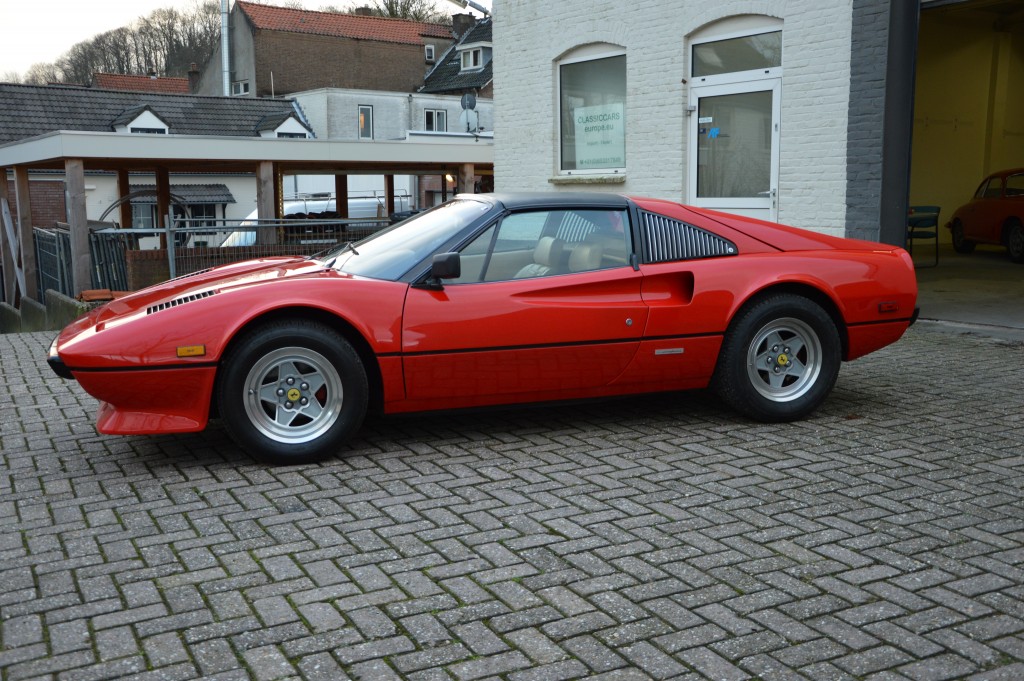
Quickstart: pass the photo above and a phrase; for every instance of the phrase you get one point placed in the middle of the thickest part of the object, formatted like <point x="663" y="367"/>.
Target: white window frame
<point x="475" y="57"/>
<point x="441" y="114"/>
<point x="367" y="110"/>
<point x="757" y="26"/>
<point x="148" y="131"/>
<point x="429" y="53"/>
<point x="239" y="88"/>
<point x="576" y="56"/>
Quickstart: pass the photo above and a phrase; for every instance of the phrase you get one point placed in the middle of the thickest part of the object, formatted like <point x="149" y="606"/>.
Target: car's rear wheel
<point x="1015" y="241"/>
<point x="292" y="391"/>
<point x="779" y="359"/>
<point x="961" y="244"/>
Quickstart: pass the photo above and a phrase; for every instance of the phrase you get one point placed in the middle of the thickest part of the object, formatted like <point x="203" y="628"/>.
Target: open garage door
<point x="968" y="123"/>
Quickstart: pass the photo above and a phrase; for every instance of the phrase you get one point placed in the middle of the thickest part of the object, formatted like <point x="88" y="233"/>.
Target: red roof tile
<point x="116" y="81"/>
<point x="380" y="29"/>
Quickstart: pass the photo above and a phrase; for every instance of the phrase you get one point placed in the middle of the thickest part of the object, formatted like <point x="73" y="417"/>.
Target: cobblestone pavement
<point x="660" y="537"/>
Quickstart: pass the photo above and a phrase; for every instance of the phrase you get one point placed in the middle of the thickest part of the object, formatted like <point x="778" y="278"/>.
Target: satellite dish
<point x="468" y="101"/>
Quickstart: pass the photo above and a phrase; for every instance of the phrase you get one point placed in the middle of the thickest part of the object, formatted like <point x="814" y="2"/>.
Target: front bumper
<point x="56" y="363"/>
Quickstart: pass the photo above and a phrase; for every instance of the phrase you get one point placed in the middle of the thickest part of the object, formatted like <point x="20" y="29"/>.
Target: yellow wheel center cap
<point x="294" y="395"/>
<point x="783" y="360"/>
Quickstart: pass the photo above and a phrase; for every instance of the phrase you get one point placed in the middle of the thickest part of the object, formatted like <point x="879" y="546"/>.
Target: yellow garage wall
<point x="969" y="107"/>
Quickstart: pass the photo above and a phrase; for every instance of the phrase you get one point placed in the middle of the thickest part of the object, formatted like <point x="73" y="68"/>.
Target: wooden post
<point x="466" y="175"/>
<point x="123" y="189"/>
<point x="7" y="286"/>
<point x="389" y="194"/>
<point x="25" y="235"/>
<point x="163" y="202"/>
<point x="341" y="195"/>
<point x="265" y="206"/>
<point x="81" y="259"/>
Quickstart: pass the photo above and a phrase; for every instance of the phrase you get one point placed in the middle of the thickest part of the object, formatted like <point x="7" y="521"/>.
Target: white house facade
<point x="767" y="108"/>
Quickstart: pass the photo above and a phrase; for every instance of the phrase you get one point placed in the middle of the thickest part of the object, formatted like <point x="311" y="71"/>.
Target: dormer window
<point x="428" y="52"/>
<point x="141" y="120"/>
<point x="472" y="59"/>
<point x="287" y="127"/>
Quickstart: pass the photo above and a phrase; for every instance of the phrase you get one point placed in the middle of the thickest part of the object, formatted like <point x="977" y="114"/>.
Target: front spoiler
<point x="56" y="363"/>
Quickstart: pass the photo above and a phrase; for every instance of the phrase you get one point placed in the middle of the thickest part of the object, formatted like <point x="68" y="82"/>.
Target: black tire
<point x="292" y="392"/>
<point x="960" y="243"/>
<point x="1015" y="241"/>
<point x="779" y="360"/>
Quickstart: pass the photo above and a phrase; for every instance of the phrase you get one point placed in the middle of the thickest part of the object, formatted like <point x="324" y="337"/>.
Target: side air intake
<point x="667" y="240"/>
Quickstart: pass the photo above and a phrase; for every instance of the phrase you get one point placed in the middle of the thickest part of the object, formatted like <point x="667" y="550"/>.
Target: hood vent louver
<point x="153" y="309"/>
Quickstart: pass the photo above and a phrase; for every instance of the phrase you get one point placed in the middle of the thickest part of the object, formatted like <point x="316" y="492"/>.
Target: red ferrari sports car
<point x="492" y="299"/>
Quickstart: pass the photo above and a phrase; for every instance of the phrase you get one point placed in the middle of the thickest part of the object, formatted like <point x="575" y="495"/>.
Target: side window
<point x="995" y="188"/>
<point x="547" y="243"/>
<point x="1015" y="185"/>
<point x="980" y="193"/>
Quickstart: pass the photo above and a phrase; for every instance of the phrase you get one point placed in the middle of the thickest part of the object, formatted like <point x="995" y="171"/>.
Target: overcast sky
<point x="34" y="31"/>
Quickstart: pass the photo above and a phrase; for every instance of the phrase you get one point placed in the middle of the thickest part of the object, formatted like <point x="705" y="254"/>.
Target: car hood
<point x="200" y="285"/>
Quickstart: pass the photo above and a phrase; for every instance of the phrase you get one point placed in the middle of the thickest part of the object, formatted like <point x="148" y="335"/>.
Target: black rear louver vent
<point x="153" y="309"/>
<point x="666" y="240"/>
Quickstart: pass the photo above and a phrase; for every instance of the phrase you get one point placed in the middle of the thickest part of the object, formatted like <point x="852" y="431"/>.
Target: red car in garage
<point x="493" y="299"/>
<point x="995" y="215"/>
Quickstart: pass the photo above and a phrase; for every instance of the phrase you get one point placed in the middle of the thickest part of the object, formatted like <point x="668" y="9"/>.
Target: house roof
<point x="448" y="76"/>
<point x="117" y="81"/>
<point x="189" y="193"/>
<point x="31" y="110"/>
<point x="381" y="29"/>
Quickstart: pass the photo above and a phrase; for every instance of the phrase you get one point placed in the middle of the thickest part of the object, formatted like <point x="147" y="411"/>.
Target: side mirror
<point x="443" y="266"/>
<point x="446" y="266"/>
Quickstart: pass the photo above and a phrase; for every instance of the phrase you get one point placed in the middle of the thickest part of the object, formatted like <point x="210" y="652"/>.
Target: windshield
<point x="393" y="252"/>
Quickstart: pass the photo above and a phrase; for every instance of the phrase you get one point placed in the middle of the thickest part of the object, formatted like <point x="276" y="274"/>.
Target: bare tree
<point x="417" y="10"/>
<point x="167" y="41"/>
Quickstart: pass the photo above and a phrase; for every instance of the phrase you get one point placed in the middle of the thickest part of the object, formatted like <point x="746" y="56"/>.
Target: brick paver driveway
<point x="660" y="537"/>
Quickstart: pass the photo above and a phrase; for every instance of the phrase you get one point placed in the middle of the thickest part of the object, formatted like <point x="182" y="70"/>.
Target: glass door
<point x="734" y="148"/>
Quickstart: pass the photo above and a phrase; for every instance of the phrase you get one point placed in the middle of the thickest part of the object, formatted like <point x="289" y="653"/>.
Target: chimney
<point x="193" y="78"/>
<point x="461" y="23"/>
<point x="363" y="11"/>
<point x="152" y="73"/>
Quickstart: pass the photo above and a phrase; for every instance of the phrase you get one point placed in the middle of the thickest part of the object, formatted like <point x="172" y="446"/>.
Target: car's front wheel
<point x="292" y="391"/>
<point x="1015" y="241"/>
<point x="779" y="359"/>
<point x="961" y="244"/>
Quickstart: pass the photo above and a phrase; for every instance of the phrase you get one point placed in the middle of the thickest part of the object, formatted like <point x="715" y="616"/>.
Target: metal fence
<point x="125" y="259"/>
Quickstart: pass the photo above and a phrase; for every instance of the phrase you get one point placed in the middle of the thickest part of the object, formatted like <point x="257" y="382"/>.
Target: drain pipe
<point x="225" y="56"/>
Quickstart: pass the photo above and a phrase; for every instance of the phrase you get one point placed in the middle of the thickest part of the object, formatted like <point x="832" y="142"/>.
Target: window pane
<point x="441" y="121"/>
<point x="428" y="120"/>
<point x="366" y="122"/>
<point x="763" y="51"/>
<point x="1015" y="185"/>
<point x="734" y="144"/>
<point x="593" y="114"/>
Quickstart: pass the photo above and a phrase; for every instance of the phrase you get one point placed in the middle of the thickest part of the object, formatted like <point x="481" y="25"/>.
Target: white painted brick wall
<point x="531" y="35"/>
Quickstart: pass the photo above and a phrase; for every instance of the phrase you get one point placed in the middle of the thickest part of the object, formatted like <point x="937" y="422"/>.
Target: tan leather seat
<point x="547" y="257"/>
<point x="585" y="257"/>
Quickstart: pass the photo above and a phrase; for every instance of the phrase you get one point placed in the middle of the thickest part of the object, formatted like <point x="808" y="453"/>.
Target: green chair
<point x="923" y="223"/>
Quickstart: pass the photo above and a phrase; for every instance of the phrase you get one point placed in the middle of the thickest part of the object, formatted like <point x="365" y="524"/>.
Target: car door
<point x="548" y="304"/>
<point x="982" y="219"/>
